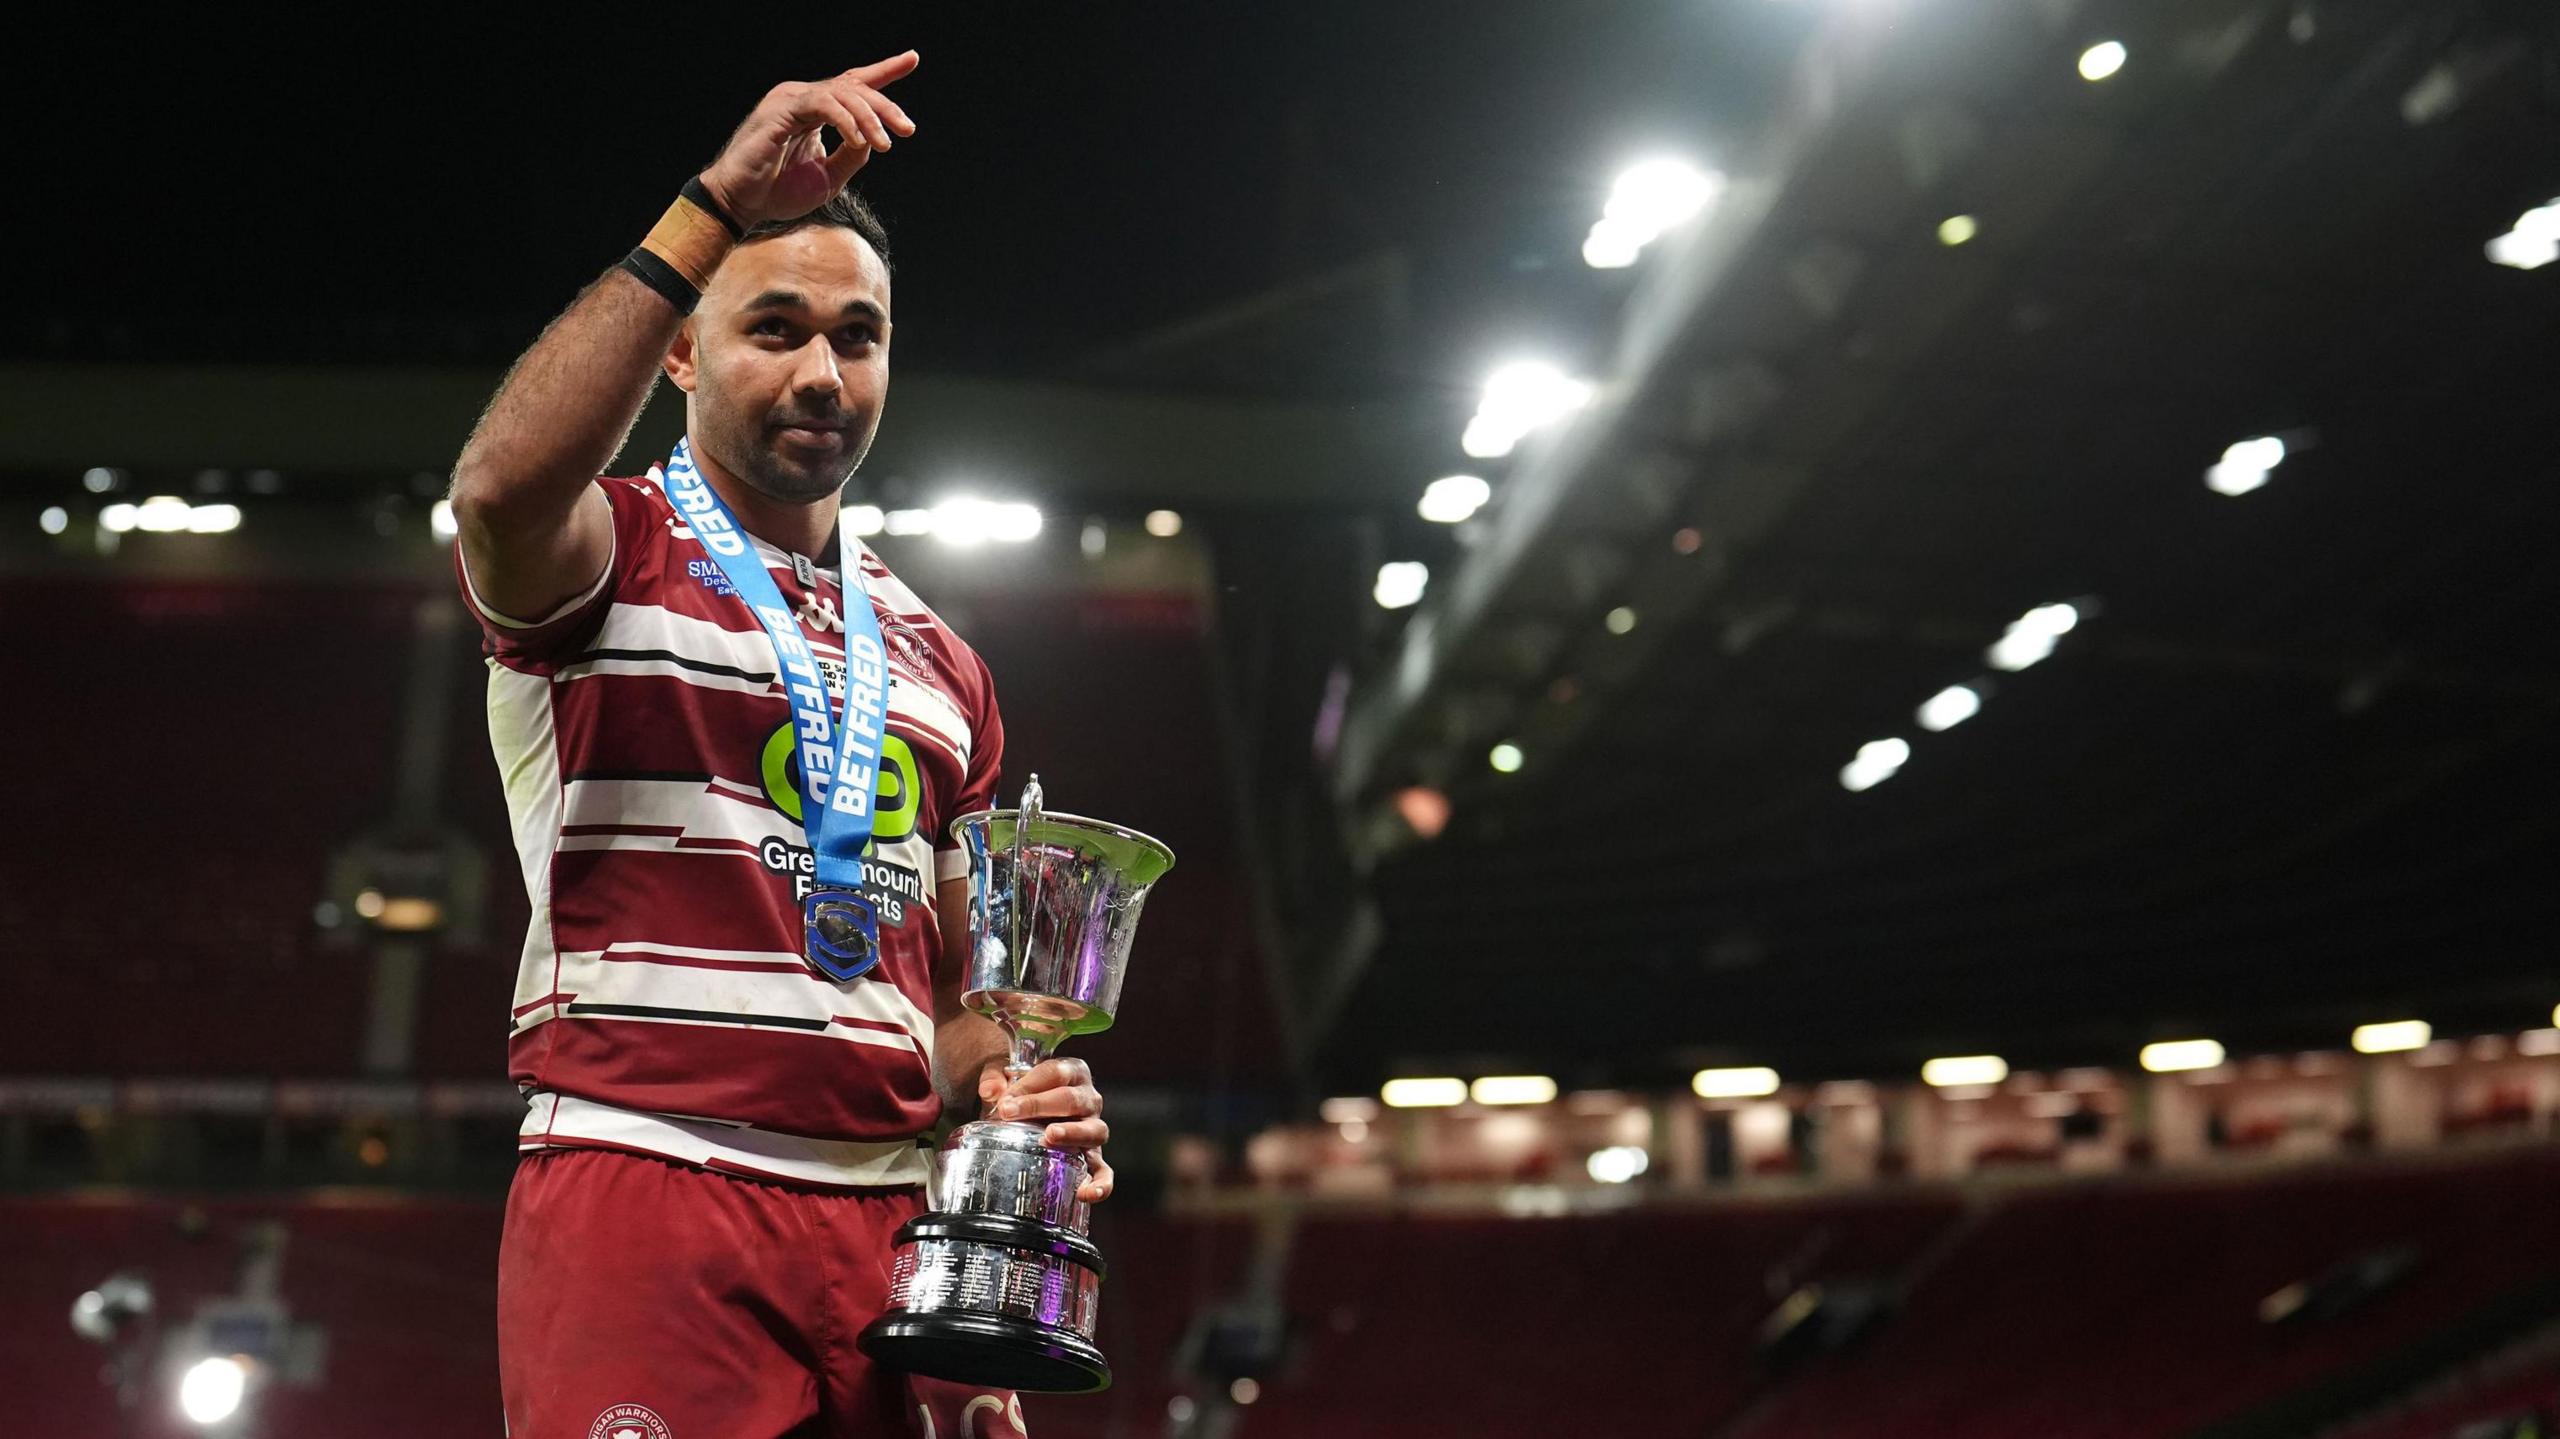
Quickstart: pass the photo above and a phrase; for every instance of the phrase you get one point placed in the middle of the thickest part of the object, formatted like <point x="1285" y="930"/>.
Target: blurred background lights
<point x="1520" y="397"/>
<point x="1505" y="758"/>
<point x="2391" y="1037"/>
<point x="1620" y="621"/>
<point x="1433" y="1093"/>
<point x="211" y="1389"/>
<point x="1400" y="583"/>
<point x="1617" y="1164"/>
<point x="2102" y="60"/>
<point x="1875" y="763"/>
<point x="169" y="515"/>
<point x="440" y="521"/>
<point x="964" y="521"/>
<point x="1956" y="229"/>
<point x="1423" y="809"/>
<point x="2534" y="241"/>
<point x="1453" y="498"/>
<point x="1748" y="1082"/>
<point x="1512" y="1089"/>
<point x="1949" y="707"/>
<point x="2030" y="637"/>
<point x="2169" y="1056"/>
<point x="1963" y="1070"/>
<point x="1164" y="524"/>
<point x="1646" y="200"/>
<point x="54" y="520"/>
<point x="2245" y="466"/>
<point x="864" y="521"/>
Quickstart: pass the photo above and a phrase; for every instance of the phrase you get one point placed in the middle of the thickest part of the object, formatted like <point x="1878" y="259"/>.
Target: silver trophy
<point x="996" y="1283"/>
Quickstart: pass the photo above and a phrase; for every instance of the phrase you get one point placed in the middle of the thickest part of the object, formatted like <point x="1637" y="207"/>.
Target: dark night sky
<point x="424" y="187"/>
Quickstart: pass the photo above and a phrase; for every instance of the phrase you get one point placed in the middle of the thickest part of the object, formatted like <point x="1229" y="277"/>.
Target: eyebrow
<point x="794" y="300"/>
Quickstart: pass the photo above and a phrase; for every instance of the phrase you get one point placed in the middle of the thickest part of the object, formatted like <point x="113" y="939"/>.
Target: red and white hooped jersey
<point x="663" y="1003"/>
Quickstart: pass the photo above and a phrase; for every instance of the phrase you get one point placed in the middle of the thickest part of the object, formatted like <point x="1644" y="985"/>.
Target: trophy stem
<point x="1029" y="1047"/>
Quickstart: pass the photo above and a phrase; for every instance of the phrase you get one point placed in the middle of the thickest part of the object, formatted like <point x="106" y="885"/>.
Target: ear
<point x="679" y="360"/>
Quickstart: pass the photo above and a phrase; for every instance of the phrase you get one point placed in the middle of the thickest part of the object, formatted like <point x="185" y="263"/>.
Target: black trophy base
<point x="988" y="1352"/>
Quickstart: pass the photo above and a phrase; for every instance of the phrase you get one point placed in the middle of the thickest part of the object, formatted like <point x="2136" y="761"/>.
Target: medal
<point x="843" y="931"/>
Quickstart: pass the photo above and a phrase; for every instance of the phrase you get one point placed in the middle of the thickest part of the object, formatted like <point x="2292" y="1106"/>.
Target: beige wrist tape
<point x="691" y="240"/>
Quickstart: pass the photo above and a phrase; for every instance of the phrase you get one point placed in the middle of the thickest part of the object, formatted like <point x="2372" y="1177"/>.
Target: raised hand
<point x="777" y="165"/>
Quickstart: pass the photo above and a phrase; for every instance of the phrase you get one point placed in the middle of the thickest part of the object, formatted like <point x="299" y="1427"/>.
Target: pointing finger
<point x="881" y="72"/>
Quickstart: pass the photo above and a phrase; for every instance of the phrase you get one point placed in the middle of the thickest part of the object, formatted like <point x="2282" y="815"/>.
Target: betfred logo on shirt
<point x="629" y="1421"/>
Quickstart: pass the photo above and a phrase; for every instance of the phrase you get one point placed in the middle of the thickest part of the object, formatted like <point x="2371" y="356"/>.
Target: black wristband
<point x="700" y="194"/>
<point x="660" y="276"/>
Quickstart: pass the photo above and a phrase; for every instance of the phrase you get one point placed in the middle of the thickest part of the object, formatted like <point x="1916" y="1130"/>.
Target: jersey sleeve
<point x="546" y="639"/>
<point x="978" y="784"/>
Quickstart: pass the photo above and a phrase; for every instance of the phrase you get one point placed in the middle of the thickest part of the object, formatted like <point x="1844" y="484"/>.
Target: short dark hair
<point x="847" y="211"/>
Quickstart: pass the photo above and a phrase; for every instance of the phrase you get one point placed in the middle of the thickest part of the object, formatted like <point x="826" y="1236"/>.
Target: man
<point x="724" y="1120"/>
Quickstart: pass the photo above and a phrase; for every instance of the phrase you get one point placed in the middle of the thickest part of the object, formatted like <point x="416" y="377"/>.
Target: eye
<point x="767" y="326"/>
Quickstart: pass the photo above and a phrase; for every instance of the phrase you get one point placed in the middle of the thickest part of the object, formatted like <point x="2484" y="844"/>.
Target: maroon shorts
<point x="643" y="1299"/>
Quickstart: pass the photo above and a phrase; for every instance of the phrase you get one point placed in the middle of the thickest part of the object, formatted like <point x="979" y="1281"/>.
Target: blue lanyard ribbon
<point x="839" y="763"/>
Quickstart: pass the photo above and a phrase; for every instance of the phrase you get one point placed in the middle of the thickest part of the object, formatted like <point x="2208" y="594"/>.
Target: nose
<point x="817" y="375"/>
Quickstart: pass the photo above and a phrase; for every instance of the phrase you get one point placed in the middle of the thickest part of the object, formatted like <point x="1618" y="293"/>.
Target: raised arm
<point x="535" y="531"/>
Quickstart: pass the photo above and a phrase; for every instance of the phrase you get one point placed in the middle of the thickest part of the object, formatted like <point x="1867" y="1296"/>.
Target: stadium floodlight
<point x="54" y="520"/>
<point x="1519" y="397"/>
<point x="1617" y="1164"/>
<point x="118" y="518"/>
<point x="2533" y="243"/>
<point x="2245" y="466"/>
<point x="1513" y="1089"/>
<point x="1610" y="247"/>
<point x="1646" y="200"/>
<point x="1621" y="621"/>
<point x="211" y="1389"/>
<point x="1876" y="762"/>
<point x="1949" y="707"/>
<point x="2030" y="637"/>
<point x="864" y="521"/>
<point x="2102" y="60"/>
<point x="1453" y="498"/>
<point x="1400" y="584"/>
<point x="1505" y="758"/>
<point x="903" y="523"/>
<point x="1964" y="1070"/>
<point x="2391" y="1037"/>
<point x="2169" y="1056"/>
<point x="440" y="521"/>
<point x="1740" y="1083"/>
<point x="1956" y="229"/>
<point x="1435" y="1093"/>
<point x="98" y="479"/>
<point x="1164" y="524"/>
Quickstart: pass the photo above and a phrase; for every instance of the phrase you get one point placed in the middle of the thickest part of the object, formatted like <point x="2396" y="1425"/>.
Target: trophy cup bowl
<point x="996" y="1283"/>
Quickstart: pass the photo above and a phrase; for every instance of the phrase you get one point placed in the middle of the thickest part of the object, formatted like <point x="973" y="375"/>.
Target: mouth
<point x="812" y="434"/>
